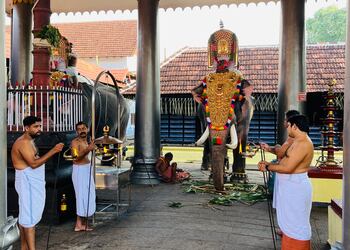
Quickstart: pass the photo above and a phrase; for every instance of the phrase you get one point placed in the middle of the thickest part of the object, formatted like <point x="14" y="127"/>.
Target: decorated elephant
<point x="225" y="105"/>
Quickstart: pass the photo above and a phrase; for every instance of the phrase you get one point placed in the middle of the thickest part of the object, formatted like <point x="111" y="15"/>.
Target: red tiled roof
<point x="119" y="74"/>
<point x="91" y="39"/>
<point x="7" y="42"/>
<point x="259" y="65"/>
<point x="102" y="39"/>
<point x="87" y="69"/>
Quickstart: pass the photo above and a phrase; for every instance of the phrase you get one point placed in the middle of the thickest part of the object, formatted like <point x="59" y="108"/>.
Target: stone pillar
<point x="3" y="127"/>
<point x="9" y="232"/>
<point x="292" y="84"/>
<point x="346" y="141"/>
<point x="21" y="42"/>
<point x="41" y="71"/>
<point x="147" y="127"/>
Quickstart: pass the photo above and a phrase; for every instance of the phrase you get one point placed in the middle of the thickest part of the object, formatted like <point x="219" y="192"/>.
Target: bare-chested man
<point x="82" y="177"/>
<point x="30" y="179"/>
<point x="293" y="188"/>
<point x="279" y="150"/>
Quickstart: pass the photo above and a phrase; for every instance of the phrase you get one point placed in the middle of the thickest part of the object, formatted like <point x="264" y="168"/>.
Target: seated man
<point x="169" y="172"/>
<point x="166" y="170"/>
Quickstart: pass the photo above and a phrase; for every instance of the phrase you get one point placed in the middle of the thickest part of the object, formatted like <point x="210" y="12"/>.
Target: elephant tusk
<point x="203" y="138"/>
<point x="234" y="139"/>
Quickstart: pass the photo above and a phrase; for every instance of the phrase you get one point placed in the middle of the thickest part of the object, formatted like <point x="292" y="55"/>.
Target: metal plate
<point x="109" y="177"/>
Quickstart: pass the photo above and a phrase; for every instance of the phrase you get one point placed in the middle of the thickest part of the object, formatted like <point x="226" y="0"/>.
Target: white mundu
<point x="293" y="201"/>
<point x="30" y="187"/>
<point x="80" y="178"/>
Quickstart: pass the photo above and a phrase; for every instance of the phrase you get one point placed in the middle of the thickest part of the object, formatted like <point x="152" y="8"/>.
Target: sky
<point x="254" y="25"/>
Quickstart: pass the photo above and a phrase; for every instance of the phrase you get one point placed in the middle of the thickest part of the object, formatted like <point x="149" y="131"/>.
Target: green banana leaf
<point x="245" y="193"/>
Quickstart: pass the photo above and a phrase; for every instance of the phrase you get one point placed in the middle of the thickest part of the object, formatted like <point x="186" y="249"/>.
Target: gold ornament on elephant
<point x="223" y="44"/>
<point x="221" y="88"/>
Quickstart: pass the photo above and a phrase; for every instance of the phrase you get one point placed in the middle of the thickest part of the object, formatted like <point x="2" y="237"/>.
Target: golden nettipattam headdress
<point x="223" y="44"/>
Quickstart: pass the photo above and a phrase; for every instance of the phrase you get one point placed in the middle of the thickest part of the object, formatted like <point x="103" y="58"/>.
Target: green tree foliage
<point x="327" y="26"/>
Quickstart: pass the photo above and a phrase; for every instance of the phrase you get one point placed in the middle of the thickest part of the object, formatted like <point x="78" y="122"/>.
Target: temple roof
<point x="101" y="39"/>
<point x="96" y="39"/>
<point x="66" y="6"/>
<point x="259" y="65"/>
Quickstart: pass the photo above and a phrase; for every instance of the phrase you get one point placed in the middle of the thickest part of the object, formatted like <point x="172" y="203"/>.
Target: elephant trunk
<point x="218" y="154"/>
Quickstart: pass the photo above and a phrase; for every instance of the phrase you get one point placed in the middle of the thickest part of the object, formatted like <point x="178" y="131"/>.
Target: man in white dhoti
<point x="293" y="188"/>
<point x="82" y="178"/>
<point x="279" y="151"/>
<point x="30" y="179"/>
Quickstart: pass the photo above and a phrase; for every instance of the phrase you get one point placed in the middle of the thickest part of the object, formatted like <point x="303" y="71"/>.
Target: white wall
<point x="110" y="63"/>
<point x="132" y="63"/>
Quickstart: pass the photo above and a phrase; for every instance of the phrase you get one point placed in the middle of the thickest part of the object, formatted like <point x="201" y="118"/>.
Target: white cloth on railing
<point x="80" y="178"/>
<point x="30" y="187"/>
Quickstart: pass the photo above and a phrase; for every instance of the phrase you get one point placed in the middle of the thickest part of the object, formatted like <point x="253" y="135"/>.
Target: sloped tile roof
<point x="91" y="39"/>
<point x="102" y="39"/>
<point x="259" y="65"/>
<point x="7" y="42"/>
<point x="119" y="74"/>
<point x="87" y="69"/>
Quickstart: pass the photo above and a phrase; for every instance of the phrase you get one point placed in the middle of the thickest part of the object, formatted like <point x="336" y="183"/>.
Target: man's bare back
<point x="300" y="155"/>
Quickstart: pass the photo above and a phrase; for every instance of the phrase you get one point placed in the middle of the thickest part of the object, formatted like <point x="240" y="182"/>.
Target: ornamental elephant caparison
<point x="226" y="100"/>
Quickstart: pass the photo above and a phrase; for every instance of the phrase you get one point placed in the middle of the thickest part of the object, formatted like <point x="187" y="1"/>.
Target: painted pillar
<point x="346" y="141"/>
<point x="147" y="126"/>
<point x="41" y="70"/>
<point x="292" y="84"/>
<point x="21" y="42"/>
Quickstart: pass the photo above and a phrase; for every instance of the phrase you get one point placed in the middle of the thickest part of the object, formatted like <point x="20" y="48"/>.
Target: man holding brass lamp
<point x="83" y="181"/>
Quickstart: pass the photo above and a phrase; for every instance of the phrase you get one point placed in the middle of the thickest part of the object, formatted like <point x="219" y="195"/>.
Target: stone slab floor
<point x="151" y="224"/>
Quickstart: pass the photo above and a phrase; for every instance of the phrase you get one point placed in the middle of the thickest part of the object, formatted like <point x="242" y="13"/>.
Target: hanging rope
<point x="53" y="200"/>
<point x="269" y="205"/>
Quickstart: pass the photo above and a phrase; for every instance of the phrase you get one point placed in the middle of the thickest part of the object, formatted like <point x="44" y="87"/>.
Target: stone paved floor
<point x="151" y="224"/>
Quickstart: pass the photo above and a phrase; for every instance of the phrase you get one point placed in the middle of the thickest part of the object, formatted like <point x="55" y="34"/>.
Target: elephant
<point x="219" y="94"/>
<point x="214" y="156"/>
<point x="108" y="99"/>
